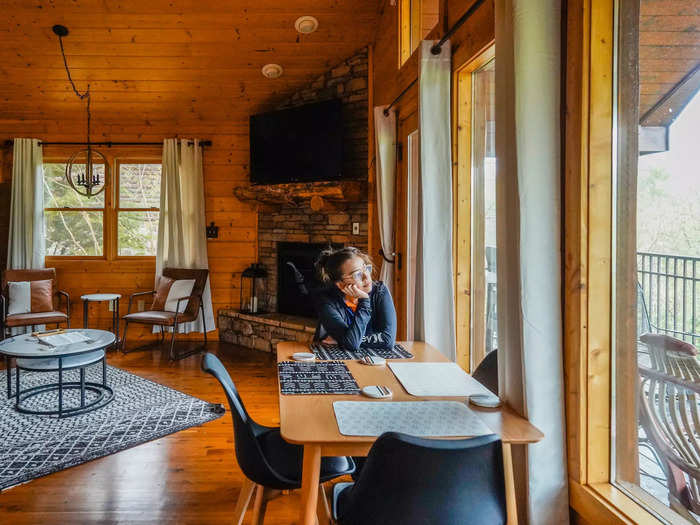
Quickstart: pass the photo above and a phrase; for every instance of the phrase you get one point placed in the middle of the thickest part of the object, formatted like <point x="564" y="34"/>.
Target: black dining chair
<point x="418" y="481"/>
<point x="269" y="463"/>
<point x="486" y="372"/>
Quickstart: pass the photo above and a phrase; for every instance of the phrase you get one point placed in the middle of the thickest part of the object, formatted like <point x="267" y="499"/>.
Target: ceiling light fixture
<point x="272" y="70"/>
<point x="306" y="24"/>
<point x="84" y="166"/>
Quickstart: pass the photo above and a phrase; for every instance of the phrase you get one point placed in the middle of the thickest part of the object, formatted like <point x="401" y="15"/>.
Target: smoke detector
<point x="272" y="70"/>
<point x="306" y="24"/>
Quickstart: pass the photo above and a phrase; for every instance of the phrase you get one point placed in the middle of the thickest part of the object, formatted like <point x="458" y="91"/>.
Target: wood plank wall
<point x="389" y="80"/>
<point x="225" y="166"/>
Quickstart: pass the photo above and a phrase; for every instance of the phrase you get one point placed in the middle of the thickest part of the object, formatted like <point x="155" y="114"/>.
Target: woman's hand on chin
<point x="352" y="290"/>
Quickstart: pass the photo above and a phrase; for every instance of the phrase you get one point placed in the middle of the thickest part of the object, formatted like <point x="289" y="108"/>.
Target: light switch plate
<point x="141" y="305"/>
<point x="110" y="306"/>
<point x="356" y="228"/>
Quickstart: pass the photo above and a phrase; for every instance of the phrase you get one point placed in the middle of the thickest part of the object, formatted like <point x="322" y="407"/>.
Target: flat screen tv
<point x="297" y="145"/>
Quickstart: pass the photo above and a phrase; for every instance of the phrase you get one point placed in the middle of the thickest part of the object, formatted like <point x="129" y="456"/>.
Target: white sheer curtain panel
<point x="436" y="198"/>
<point x="528" y="197"/>
<point x="385" y="139"/>
<point x="26" y="245"/>
<point x="182" y="241"/>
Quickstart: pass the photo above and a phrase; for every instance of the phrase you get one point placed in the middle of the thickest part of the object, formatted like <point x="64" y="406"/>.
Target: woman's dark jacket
<point x="371" y="325"/>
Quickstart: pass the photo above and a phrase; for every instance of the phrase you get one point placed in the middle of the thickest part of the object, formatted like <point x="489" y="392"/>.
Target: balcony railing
<point x="670" y="288"/>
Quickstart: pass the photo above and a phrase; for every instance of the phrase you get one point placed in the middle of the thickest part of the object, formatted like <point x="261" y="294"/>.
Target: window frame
<point x="590" y="157"/>
<point x="117" y="205"/>
<point x="110" y="246"/>
<point x="410" y="30"/>
<point x="462" y="190"/>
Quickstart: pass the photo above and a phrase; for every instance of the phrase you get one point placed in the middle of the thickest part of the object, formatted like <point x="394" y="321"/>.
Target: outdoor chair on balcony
<point x="177" y="299"/>
<point x="670" y="416"/>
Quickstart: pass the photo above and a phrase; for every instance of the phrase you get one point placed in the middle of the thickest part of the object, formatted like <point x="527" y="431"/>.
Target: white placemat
<point x="417" y="418"/>
<point x="436" y="379"/>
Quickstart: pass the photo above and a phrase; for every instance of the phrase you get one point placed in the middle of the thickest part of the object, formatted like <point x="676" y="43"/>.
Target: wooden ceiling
<point x="169" y="60"/>
<point x="669" y="48"/>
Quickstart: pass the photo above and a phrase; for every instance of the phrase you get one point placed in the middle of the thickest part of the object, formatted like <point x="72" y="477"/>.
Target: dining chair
<point x="269" y="463"/>
<point x="486" y="372"/>
<point x="416" y="481"/>
<point x="670" y="416"/>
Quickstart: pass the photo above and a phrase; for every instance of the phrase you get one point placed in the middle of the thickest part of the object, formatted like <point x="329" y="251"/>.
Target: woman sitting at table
<point x="353" y="310"/>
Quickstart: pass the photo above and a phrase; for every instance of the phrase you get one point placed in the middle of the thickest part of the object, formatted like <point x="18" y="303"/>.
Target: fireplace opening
<point x="296" y="276"/>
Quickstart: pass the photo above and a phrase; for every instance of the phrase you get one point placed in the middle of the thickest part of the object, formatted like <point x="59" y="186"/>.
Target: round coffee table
<point x="35" y="355"/>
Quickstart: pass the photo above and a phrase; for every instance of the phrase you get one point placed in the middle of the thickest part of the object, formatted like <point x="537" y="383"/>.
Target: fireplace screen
<point x="296" y="277"/>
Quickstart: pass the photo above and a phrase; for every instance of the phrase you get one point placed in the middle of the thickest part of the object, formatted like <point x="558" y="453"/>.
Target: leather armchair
<point x="157" y="316"/>
<point x="38" y="318"/>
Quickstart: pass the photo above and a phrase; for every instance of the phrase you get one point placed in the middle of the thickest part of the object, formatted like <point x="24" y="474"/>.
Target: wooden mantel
<point x="318" y="195"/>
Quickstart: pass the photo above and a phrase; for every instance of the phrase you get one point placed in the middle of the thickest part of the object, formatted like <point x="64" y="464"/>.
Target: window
<point x="475" y="213"/>
<point x="417" y="19"/>
<point x="120" y="221"/>
<point x="631" y="262"/>
<point x="74" y="224"/>
<point x="137" y="208"/>
<point x="656" y="276"/>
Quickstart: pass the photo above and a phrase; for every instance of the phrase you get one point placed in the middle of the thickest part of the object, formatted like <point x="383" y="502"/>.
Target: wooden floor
<point x="187" y="477"/>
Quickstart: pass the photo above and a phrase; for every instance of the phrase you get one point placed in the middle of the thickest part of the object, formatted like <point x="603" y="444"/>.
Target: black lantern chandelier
<point x="84" y="166"/>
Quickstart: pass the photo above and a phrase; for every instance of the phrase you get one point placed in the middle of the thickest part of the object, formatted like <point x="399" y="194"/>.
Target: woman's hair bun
<point x="330" y="260"/>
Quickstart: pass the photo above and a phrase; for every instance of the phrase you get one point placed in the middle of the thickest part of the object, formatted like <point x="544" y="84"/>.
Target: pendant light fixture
<point x="84" y="167"/>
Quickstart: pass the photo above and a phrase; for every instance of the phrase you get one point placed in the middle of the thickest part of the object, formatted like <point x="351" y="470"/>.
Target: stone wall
<point x="304" y="225"/>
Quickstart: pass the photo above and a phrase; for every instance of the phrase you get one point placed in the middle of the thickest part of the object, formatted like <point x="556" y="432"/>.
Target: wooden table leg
<point x="309" y="484"/>
<point x="511" y="505"/>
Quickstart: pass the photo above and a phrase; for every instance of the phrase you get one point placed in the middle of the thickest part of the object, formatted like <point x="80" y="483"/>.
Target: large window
<point x="475" y="213"/>
<point x="632" y="262"/>
<point x="417" y="19"/>
<point x="656" y="292"/>
<point x="120" y="221"/>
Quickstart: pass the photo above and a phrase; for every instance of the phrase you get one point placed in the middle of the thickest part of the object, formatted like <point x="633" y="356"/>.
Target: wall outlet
<point x="356" y="228"/>
<point x="110" y="306"/>
<point x="141" y="305"/>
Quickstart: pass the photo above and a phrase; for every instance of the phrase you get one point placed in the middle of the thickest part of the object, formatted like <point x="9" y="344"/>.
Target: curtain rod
<point x="109" y="144"/>
<point x="437" y="48"/>
<point x="399" y="97"/>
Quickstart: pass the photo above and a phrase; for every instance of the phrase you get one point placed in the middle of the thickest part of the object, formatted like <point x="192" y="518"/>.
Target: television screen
<point x="298" y="144"/>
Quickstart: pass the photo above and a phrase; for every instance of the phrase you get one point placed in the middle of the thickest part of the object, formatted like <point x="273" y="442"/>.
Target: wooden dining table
<point x="309" y="420"/>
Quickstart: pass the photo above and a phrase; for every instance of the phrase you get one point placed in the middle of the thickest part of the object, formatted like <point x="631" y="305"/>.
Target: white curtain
<point x="528" y="232"/>
<point x="182" y="241"/>
<point x="385" y="140"/>
<point x="26" y="245"/>
<point x="436" y="195"/>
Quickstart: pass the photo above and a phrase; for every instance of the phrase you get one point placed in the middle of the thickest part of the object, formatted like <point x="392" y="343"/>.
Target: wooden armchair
<point x="670" y="416"/>
<point x="157" y="315"/>
<point x="31" y="319"/>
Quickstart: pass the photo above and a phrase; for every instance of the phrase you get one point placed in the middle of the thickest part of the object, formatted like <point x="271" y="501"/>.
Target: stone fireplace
<point x="297" y="221"/>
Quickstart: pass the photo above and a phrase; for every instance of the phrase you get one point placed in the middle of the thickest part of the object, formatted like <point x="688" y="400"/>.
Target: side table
<point x="99" y="297"/>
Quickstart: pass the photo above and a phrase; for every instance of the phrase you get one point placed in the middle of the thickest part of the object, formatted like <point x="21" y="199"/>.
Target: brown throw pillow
<point x="161" y="295"/>
<point x="42" y="296"/>
<point x="669" y="344"/>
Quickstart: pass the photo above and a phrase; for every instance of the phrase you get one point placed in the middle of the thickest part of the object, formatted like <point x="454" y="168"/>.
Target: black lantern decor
<point x="253" y="286"/>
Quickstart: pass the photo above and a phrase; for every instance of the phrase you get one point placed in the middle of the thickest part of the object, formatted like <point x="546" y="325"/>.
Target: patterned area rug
<point x="33" y="446"/>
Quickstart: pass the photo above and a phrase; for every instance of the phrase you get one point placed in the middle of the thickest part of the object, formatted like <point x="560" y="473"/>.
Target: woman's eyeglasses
<point x="359" y="275"/>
